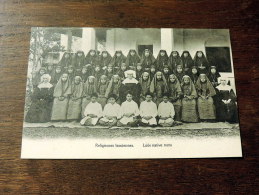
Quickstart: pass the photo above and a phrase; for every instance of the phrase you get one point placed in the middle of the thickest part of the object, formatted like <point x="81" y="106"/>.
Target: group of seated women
<point x="131" y="90"/>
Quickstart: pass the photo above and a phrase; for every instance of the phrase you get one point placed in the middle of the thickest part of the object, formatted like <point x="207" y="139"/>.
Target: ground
<point x="74" y="130"/>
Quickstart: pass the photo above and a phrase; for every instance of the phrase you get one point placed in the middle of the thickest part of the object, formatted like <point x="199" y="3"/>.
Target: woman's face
<point x="159" y="76"/>
<point x="112" y="100"/>
<point x="132" y="53"/>
<point x="199" y="54"/>
<point x="50" y="67"/>
<point x="77" y="80"/>
<point x="67" y="55"/>
<point x="79" y="54"/>
<point x="145" y="77"/>
<point x="70" y="70"/>
<point x="92" y="53"/>
<point x="179" y="69"/>
<point x="84" y="70"/>
<point x="139" y="67"/>
<point x="115" y="79"/>
<point x="203" y="79"/>
<point x="185" y="55"/>
<point x="186" y="80"/>
<point x="146" y="53"/>
<point x="172" y="78"/>
<point x="45" y="80"/>
<point x="58" y="70"/>
<point x="129" y="97"/>
<point x="64" y="77"/>
<point x="97" y="68"/>
<point x="152" y="69"/>
<point x="130" y="76"/>
<point x="166" y="70"/>
<point x="118" y="54"/>
<point x="223" y="81"/>
<point x="174" y="54"/>
<point x="123" y="66"/>
<point x="42" y="72"/>
<point x="162" y="53"/>
<point x="194" y="71"/>
<point x="109" y="69"/>
<point x="105" y="54"/>
<point x="213" y="70"/>
<point x="103" y="80"/>
<point x="91" y="79"/>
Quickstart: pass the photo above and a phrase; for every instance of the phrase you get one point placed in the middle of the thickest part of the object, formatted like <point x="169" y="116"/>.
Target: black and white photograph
<point x="130" y="93"/>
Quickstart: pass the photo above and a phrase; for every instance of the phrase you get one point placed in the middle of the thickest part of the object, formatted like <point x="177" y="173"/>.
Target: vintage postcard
<point x="130" y="93"/>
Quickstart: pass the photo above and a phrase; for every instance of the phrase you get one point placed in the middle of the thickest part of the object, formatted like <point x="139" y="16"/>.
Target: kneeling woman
<point x="129" y="112"/>
<point x="42" y="98"/>
<point x="92" y="112"/>
<point x="111" y="112"/>
<point x="61" y="95"/>
<point x="205" y="102"/>
<point x="226" y="102"/>
<point x="189" y="112"/>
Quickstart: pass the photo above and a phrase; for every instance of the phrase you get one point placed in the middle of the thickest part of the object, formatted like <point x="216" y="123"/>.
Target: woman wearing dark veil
<point x="161" y="60"/>
<point x="117" y="60"/>
<point x="56" y="75"/>
<point x="36" y="79"/>
<point x="213" y="76"/>
<point x="79" y="62"/>
<point x="187" y="62"/>
<point x="42" y="98"/>
<point x="226" y="108"/>
<point x="132" y="59"/>
<point x="92" y="58"/>
<point x="105" y="59"/>
<point x="65" y="61"/>
<point x="205" y="102"/>
<point x="147" y="59"/>
<point x="175" y="94"/>
<point x="201" y="62"/>
<point x="174" y="60"/>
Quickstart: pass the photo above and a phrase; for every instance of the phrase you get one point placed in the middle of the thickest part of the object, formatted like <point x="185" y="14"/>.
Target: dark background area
<point x="160" y="176"/>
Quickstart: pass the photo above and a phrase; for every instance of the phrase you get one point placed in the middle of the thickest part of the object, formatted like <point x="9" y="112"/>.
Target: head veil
<point x="87" y="86"/>
<point x="153" y="84"/>
<point x="62" y="88"/>
<point x="209" y="86"/>
<point x="134" y="58"/>
<point x="191" y="86"/>
<point x="77" y="89"/>
<point x="110" y="85"/>
<point x="177" y="85"/>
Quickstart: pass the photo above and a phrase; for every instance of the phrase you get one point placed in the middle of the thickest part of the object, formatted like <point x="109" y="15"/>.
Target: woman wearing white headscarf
<point x="130" y="84"/>
<point x="42" y="98"/>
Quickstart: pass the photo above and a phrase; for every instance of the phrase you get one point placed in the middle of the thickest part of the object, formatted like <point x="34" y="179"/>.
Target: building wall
<point x="126" y="39"/>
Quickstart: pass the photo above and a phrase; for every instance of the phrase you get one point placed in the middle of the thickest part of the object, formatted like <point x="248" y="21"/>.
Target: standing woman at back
<point x="174" y="60"/>
<point x="61" y="95"/>
<point x="65" y="61"/>
<point x="92" y="58"/>
<point x="147" y="59"/>
<point x="132" y="59"/>
<point x="161" y="60"/>
<point x="201" y="62"/>
<point x="79" y="62"/>
<point x="117" y="60"/>
<point x="187" y="62"/>
<point x="105" y="59"/>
